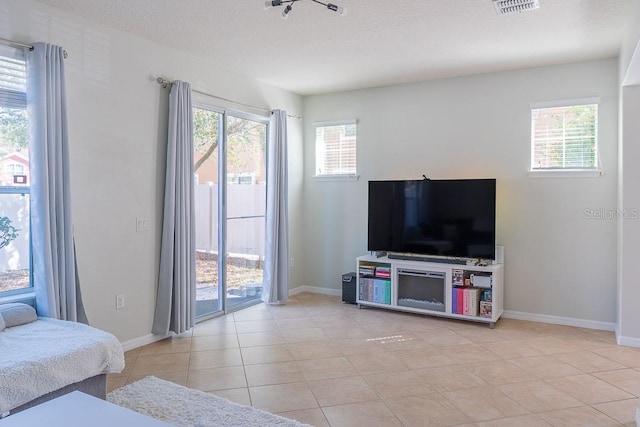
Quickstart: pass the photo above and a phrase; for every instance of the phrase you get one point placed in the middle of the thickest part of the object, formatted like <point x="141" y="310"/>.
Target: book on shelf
<point x="457" y="277"/>
<point x="366" y="270"/>
<point x="371" y="290"/>
<point x="486" y="309"/>
<point x="454" y="300"/>
<point x="383" y="271"/>
<point x="486" y="295"/>
<point x="364" y="289"/>
<point x="465" y="301"/>
<point x="381" y="291"/>
<point x="471" y="301"/>
<point x="460" y="292"/>
<point x="376" y="291"/>
<point x="387" y="292"/>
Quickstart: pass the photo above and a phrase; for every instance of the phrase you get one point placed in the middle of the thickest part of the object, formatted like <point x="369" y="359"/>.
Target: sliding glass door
<point x="246" y="209"/>
<point x="206" y="146"/>
<point x="230" y="203"/>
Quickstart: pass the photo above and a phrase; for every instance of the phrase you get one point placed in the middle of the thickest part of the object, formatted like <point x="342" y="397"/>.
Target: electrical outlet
<point x="119" y="301"/>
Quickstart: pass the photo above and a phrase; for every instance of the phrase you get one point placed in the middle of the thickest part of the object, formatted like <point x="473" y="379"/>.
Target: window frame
<point x="596" y="171"/>
<point x="335" y="176"/>
<point x="15" y="99"/>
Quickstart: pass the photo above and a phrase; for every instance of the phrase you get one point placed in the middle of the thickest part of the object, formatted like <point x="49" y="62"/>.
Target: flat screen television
<point x="453" y="218"/>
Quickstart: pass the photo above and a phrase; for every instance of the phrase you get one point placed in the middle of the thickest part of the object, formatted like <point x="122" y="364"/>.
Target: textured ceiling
<point x="377" y="43"/>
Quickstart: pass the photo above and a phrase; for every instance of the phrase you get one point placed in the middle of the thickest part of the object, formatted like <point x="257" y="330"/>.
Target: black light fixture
<point x="288" y="6"/>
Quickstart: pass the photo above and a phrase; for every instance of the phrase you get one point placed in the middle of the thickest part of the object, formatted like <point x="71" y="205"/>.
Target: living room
<point x="562" y="266"/>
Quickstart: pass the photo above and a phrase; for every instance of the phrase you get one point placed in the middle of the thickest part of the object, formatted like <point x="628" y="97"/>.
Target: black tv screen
<point x="450" y="218"/>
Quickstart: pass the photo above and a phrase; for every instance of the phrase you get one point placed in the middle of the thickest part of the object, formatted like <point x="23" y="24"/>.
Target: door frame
<point x="202" y="103"/>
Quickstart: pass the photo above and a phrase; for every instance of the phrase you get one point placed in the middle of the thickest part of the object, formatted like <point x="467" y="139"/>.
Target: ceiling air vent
<point x="505" y="7"/>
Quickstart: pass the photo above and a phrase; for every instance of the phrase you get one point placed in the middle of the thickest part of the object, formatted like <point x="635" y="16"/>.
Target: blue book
<point x="454" y="301"/>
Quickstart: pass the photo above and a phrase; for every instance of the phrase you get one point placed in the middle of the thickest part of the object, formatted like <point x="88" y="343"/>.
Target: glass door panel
<point x="246" y="210"/>
<point x="206" y="141"/>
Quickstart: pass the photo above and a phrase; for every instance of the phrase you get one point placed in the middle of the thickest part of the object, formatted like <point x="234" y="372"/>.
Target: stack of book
<point x="383" y="272"/>
<point x="367" y="270"/>
<point x="465" y="300"/>
<point x="375" y="290"/>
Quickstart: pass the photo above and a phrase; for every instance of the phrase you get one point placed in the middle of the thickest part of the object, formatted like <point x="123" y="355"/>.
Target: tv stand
<point x="468" y="292"/>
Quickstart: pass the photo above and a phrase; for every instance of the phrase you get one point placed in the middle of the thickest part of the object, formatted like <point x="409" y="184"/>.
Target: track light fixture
<point x="505" y="7"/>
<point x="288" y="6"/>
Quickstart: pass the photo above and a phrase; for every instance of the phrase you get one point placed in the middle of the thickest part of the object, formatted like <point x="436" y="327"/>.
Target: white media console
<point x="469" y="292"/>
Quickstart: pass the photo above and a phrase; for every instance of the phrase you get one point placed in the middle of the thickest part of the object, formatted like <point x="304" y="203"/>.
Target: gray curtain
<point x="176" y="297"/>
<point x="55" y="274"/>
<point x="276" y="269"/>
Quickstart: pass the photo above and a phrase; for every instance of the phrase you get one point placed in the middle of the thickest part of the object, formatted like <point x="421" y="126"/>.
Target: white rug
<point x="183" y="406"/>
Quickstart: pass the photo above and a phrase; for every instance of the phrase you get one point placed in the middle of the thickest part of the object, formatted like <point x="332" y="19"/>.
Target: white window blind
<point x="13" y="78"/>
<point x="336" y="148"/>
<point x="564" y="137"/>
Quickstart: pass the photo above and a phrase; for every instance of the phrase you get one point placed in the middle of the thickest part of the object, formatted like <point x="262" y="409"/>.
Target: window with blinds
<point x="564" y="136"/>
<point x="336" y="148"/>
<point x="15" y="180"/>
<point x="13" y="78"/>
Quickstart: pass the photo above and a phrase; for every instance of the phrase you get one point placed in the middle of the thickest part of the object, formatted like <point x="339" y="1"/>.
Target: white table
<point x="77" y="409"/>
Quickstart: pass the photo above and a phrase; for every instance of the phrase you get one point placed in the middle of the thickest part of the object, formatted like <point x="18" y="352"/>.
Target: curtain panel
<point x="276" y="271"/>
<point x="176" y="296"/>
<point x="55" y="273"/>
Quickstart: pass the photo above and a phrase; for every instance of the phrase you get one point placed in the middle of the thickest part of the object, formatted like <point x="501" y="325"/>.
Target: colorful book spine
<point x="460" y="300"/>
<point x="376" y="291"/>
<point x="364" y="289"/>
<point x="387" y="292"/>
<point x="382" y="291"/>
<point x="465" y="301"/>
<point x="474" y="301"/>
<point x="454" y="300"/>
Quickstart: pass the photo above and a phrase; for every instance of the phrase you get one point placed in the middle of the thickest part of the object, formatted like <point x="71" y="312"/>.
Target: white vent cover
<point x="504" y="7"/>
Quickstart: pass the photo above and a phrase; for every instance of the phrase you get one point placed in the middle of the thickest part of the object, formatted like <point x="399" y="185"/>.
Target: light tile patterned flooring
<point x="331" y="364"/>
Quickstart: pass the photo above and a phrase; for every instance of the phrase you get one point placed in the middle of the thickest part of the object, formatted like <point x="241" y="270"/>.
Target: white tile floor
<point x="325" y="363"/>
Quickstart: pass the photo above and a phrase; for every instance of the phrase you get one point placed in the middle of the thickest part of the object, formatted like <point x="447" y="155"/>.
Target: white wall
<point x="629" y="292"/>
<point x="558" y="263"/>
<point x="630" y="47"/>
<point x="628" y="321"/>
<point x="117" y="120"/>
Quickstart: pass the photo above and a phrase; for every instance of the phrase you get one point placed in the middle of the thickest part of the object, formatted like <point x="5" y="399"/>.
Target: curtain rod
<point x="12" y="43"/>
<point x="165" y="83"/>
<point x="16" y="44"/>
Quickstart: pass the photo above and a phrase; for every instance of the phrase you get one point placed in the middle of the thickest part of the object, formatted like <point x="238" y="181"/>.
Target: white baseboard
<point x="628" y="342"/>
<point x="140" y="341"/>
<point x="316" y="290"/>
<point x="558" y="320"/>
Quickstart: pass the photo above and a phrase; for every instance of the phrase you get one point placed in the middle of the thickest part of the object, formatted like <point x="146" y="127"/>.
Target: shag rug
<point x="182" y="406"/>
